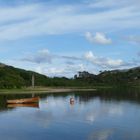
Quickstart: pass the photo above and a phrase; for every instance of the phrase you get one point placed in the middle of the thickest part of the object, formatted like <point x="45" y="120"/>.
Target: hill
<point x="127" y="76"/>
<point x="11" y="77"/>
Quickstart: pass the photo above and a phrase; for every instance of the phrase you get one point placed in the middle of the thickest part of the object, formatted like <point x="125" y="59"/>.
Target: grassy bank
<point x="40" y="90"/>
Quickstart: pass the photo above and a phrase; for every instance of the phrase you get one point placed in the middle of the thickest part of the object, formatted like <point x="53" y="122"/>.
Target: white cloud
<point x="18" y="13"/>
<point x="42" y="56"/>
<point x="55" y="71"/>
<point x="39" y="69"/>
<point x="50" y="64"/>
<point x="46" y="63"/>
<point x="61" y="70"/>
<point x="112" y="3"/>
<point x="98" y="38"/>
<point x="104" y="62"/>
<point x="89" y="55"/>
<point x="116" y="111"/>
<point x="42" y="19"/>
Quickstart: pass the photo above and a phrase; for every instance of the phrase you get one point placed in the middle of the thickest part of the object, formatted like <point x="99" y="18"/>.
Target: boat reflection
<point x="32" y="105"/>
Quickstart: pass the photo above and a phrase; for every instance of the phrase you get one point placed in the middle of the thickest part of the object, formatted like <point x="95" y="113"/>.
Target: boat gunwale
<point x="22" y="101"/>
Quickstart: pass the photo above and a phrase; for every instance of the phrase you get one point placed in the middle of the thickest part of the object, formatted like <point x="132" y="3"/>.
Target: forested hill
<point x="127" y="76"/>
<point x="11" y="77"/>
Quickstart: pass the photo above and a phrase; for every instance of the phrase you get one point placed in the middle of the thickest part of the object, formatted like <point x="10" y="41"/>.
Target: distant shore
<point x="43" y="90"/>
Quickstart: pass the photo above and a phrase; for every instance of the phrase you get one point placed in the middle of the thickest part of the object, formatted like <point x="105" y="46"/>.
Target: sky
<point x="62" y="37"/>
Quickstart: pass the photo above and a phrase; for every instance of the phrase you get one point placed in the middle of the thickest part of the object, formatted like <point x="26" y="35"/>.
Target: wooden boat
<point x="23" y="101"/>
<point x="33" y="105"/>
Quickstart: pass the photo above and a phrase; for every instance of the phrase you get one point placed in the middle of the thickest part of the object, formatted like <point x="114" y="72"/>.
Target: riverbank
<point x="43" y="90"/>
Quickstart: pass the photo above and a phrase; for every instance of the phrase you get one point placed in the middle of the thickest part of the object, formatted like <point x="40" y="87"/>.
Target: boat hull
<point x="32" y="105"/>
<point x="22" y="101"/>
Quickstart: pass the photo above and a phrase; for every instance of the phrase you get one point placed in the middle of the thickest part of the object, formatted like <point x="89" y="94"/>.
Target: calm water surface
<point x="102" y="115"/>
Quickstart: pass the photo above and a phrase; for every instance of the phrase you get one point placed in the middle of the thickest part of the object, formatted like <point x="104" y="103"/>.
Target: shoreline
<point x="43" y="90"/>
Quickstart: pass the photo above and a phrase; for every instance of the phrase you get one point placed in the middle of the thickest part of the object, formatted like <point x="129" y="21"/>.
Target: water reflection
<point x="33" y="105"/>
<point x="131" y="95"/>
<point x="71" y="101"/>
<point x="101" y="134"/>
<point x="99" y="115"/>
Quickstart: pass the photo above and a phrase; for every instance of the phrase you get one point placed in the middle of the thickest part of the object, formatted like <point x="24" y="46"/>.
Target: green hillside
<point x="11" y="77"/>
<point x="114" y="77"/>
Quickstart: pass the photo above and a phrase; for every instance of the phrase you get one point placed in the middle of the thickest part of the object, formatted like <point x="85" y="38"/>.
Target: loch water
<point x="96" y="115"/>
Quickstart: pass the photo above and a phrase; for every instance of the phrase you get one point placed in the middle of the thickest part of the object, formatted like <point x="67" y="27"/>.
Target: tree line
<point x="11" y="77"/>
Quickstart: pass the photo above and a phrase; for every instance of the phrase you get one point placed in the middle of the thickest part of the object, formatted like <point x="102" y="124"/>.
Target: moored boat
<point x="32" y="105"/>
<point x="22" y="101"/>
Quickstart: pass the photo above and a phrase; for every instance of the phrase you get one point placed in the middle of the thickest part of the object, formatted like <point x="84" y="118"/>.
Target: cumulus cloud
<point x="104" y="62"/>
<point x="72" y="64"/>
<point x="98" y="38"/>
<point x="61" y="70"/>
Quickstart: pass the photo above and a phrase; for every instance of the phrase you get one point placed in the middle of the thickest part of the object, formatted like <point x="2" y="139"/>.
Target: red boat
<point x="33" y="105"/>
<point x="24" y="101"/>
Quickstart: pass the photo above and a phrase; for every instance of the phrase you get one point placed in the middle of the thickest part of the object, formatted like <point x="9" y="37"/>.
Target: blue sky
<point x="61" y="37"/>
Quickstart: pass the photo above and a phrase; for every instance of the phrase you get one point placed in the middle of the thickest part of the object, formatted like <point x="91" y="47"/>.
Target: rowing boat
<point x="32" y="105"/>
<point x="22" y="101"/>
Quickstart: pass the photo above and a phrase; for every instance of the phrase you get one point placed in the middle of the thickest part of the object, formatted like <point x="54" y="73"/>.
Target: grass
<point x="40" y="90"/>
